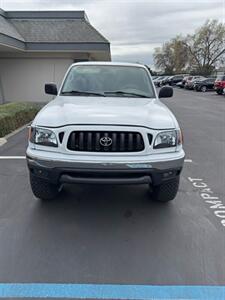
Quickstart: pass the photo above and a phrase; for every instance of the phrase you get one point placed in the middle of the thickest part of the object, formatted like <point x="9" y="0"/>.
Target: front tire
<point x="43" y="189"/>
<point x="219" y="92"/>
<point x="166" y="191"/>
<point x="204" y="89"/>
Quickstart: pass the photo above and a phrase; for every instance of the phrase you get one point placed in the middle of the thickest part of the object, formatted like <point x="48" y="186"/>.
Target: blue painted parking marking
<point x="110" y="291"/>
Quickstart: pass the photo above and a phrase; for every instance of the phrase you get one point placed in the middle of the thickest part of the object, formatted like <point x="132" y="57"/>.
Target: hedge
<point x="15" y="115"/>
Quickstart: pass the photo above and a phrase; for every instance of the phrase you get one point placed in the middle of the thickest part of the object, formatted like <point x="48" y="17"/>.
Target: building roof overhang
<point x="24" y="39"/>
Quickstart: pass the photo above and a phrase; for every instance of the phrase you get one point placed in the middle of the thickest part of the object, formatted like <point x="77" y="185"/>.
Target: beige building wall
<point x="23" y="79"/>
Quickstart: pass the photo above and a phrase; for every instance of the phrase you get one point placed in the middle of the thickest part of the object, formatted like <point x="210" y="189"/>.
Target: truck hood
<point x="66" y="110"/>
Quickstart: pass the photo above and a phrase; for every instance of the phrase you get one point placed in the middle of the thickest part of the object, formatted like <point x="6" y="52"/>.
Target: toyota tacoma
<point x="106" y="125"/>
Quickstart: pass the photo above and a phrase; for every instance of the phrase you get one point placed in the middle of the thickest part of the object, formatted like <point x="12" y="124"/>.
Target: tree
<point x="206" y="47"/>
<point x="198" y="53"/>
<point x="163" y="59"/>
<point x="172" y="57"/>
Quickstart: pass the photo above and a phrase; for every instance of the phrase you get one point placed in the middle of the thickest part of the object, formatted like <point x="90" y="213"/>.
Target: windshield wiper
<point x="126" y="93"/>
<point x="75" y="92"/>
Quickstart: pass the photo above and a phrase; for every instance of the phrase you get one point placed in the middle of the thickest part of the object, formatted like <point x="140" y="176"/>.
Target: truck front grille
<point x="101" y="141"/>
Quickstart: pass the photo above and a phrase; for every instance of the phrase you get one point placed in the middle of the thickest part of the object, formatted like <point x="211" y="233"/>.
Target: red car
<point x="219" y="84"/>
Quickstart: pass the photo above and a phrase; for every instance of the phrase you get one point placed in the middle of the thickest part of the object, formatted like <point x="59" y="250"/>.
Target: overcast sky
<point x="134" y="27"/>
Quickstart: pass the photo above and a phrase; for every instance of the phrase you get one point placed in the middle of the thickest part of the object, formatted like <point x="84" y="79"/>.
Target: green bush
<point x="15" y="115"/>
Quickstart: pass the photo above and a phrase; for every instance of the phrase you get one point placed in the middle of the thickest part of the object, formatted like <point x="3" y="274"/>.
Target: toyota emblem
<point x="105" y="141"/>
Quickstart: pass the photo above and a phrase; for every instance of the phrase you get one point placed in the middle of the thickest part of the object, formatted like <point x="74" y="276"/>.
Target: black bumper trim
<point x="62" y="175"/>
<point x="88" y="180"/>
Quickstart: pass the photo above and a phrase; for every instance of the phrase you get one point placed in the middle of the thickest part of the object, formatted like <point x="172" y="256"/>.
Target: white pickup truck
<point x="106" y="125"/>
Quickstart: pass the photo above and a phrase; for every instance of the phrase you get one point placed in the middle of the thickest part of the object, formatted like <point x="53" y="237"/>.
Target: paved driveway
<point x="116" y="234"/>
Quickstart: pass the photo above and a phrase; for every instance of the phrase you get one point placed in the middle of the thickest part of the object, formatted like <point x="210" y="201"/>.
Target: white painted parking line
<point x="188" y="160"/>
<point x="12" y="157"/>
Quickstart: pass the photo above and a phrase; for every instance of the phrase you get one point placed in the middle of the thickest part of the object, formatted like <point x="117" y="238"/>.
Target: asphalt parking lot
<point x="116" y="234"/>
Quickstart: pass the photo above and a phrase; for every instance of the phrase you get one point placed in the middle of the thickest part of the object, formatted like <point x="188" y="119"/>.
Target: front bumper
<point x="150" y="169"/>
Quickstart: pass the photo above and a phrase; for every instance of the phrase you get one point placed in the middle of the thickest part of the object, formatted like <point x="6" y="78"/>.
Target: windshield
<point x="220" y="77"/>
<point x="115" y="81"/>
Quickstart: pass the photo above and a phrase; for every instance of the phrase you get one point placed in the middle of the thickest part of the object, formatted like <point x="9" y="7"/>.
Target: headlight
<point x="44" y="137"/>
<point x="168" y="139"/>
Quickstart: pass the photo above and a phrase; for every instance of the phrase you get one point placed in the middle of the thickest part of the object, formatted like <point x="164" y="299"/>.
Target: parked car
<point x="219" y="84"/>
<point x="157" y="81"/>
<point x="204" y="85"/>
<point x="166" y="80"/>
<point x="154" y="80"/>
<point x="189" y="85"/>
<point x="163" y="81"/>
<point x="175" y="79"/>
<point x="105" y="126"/>
<point x="184" y="80"/>
<point x="180" y="84"/>
<point x="196" y="81"/>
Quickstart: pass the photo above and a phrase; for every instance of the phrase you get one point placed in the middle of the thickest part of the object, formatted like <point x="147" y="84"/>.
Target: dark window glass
<point x="108" y="78"/>
<point x="220" y="77"/>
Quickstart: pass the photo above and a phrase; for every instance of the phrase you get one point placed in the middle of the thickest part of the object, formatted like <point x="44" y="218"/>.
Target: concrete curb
<point x="4" y="139"/>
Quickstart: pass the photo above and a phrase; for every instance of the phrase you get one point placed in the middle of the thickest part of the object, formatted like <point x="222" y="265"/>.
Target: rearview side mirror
<point x="165" y="92"/>
<point x="51" y="88"/>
